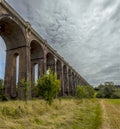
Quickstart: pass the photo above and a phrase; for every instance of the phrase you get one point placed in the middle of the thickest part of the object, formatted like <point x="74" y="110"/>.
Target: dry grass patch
<point x="112" y="108"/>
<point x="62" y="114"/>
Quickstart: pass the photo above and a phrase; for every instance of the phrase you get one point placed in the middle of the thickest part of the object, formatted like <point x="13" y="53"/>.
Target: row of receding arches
<point x="30" y="60"/>
<point x="41" y="61"/>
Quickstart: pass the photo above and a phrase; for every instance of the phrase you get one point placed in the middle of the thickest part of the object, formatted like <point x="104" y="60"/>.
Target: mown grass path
<point x="110" y="114"/>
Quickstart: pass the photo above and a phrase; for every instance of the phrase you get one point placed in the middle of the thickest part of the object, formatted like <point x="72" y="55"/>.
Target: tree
<point x="106" y="91"/>
<point x="48" y="86"/>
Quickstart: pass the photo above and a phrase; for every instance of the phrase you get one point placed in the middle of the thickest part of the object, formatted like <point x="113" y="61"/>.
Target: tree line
<point x="48" y="88"/>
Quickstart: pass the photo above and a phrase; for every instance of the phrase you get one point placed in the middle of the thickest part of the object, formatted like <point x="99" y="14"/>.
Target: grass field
<point x="63" y="114"/>
<point x="111" y="113"/>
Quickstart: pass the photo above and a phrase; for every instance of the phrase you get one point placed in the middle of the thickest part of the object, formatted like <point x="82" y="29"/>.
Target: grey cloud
<point x="107" y="3"/>
<point x="116" y="15"/>
<point x="80" y="32"/>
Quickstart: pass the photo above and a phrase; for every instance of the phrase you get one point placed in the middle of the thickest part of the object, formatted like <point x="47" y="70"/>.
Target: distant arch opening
<point x="17" y="67"/>
<point x="2" y="59"/>
<point x="50" y="62"/>
<point x="36" y="73"/>
<point x="65" y="79"/>
<point x="70" y="81"/>
<point x="59" y="69"/>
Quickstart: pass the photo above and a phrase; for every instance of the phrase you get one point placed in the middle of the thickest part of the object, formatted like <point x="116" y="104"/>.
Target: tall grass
<point x="113" y="101"/>
<point x="62" y="114"/>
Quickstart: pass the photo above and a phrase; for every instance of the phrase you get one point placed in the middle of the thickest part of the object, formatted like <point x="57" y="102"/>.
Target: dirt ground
<point x="111" y="115"/>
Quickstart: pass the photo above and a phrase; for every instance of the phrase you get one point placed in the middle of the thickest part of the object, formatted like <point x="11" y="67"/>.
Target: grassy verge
<point x="63" y="114"/>
<point x="113" y="101"/>
<point x="112" y="113"/>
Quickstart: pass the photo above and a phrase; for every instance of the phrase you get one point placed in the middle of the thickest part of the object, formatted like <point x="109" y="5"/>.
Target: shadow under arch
<point x="59" y="75"/>
<point x="65" y="80"/>
<point x="50" y="62"/>
<point x="59" y="69"/>
<point x="37" y="59"/>
<point x="15" y="41"/>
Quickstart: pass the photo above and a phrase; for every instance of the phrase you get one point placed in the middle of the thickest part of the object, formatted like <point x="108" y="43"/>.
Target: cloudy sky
<point x="85" y="32"/>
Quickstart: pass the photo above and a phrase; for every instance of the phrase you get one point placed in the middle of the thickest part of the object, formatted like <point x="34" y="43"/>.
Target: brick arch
<point x="11" y="32"/>
<point x="13" y="35"/>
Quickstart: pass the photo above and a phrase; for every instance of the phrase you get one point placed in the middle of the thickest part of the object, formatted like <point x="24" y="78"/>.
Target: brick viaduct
<point x="23" y="41"/>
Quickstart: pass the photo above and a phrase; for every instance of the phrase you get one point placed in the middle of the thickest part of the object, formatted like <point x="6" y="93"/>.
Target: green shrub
<point x="85" y="92"/>
<point x="25" y="85"/>
<point x="48" y="86"/>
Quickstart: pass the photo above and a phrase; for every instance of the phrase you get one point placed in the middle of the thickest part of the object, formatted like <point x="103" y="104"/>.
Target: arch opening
<point x="17" y="67"/>
<point x="50" y="62"/>
<point x="37" y="63"/>
<point x="59" y="69"/>
<point x="69" y="82"/>
<point x="2" y="59"/>
<point x="36" y="73"/>
<point x="37" y="60"/>
<point x="65" y="80"/>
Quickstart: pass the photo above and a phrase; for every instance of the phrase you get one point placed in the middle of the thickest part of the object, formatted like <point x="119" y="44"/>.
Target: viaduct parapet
<point x="24" y="42"/>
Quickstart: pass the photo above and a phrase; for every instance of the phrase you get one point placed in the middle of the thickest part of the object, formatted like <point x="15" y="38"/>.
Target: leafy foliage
<point x="108" y="91"/>
<point x="85" y="92"/>
<point x="25" y="85"/>
<point x="48" y="86"/>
